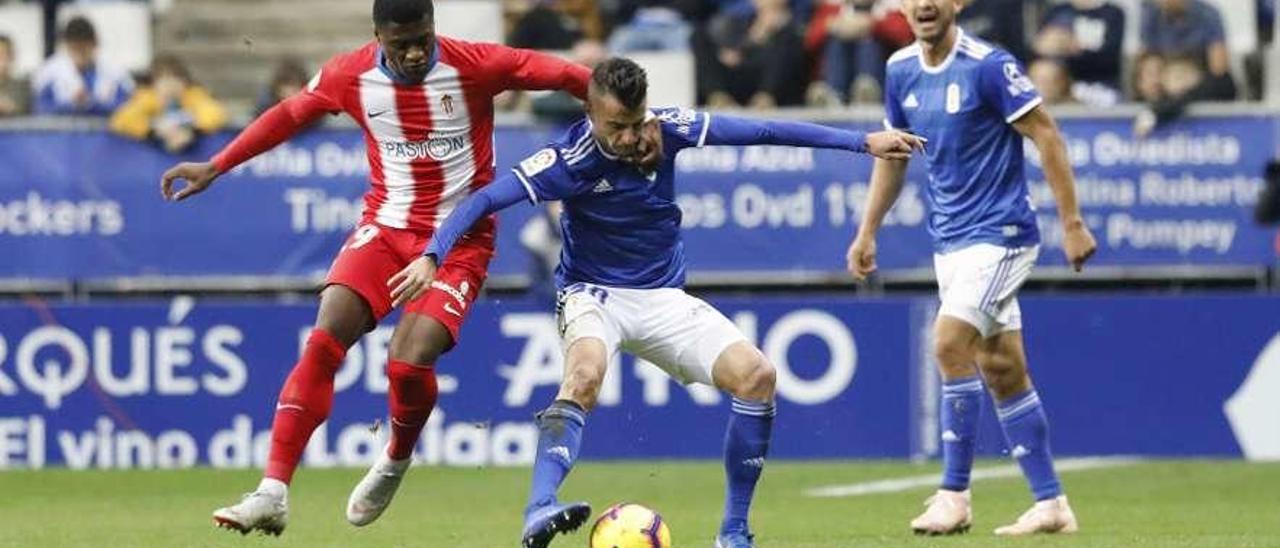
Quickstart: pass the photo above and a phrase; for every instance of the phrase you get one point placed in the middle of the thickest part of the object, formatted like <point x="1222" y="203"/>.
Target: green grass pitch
<point x="1157" y="504"/>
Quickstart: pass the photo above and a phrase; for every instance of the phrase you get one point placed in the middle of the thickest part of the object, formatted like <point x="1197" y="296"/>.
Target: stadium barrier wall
<point x="167" y="384"/>
<point x="84" y="205"/>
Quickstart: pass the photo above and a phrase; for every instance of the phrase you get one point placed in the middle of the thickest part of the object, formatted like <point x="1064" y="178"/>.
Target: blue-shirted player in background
<point x="621" y="275"/>
<point x="972" y="102"/>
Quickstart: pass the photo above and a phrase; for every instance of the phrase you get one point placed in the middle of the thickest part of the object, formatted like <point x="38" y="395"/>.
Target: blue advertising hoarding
<point x="85" y="204"/>
<point x="183" y="382"/>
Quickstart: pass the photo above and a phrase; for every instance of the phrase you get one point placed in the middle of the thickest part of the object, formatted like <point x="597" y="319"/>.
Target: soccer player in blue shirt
<point x="621" y="275"/>
<point x="974" y="105"/>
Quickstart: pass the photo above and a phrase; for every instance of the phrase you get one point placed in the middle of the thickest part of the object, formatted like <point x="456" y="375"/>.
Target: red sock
<point x="305" y="401"/>
<point x="412" y="396"/>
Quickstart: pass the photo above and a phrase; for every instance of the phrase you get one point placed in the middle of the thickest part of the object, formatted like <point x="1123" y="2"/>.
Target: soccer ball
<point x="629" y="525"/>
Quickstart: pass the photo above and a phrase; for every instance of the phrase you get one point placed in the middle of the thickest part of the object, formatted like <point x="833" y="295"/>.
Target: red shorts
<point x="374" y="253"/>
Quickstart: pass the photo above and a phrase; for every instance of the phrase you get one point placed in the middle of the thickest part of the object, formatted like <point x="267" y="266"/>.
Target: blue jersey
<point x="977" y="188"/>
<point x="621" y="227"/>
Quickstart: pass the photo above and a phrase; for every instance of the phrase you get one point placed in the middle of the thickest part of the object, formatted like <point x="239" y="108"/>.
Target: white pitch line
<point x="896" y="485"/>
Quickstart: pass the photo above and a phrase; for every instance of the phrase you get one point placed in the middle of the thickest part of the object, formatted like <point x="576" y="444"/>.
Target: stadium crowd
<point x="747" y="53"/>
<point x="822" y="52"/>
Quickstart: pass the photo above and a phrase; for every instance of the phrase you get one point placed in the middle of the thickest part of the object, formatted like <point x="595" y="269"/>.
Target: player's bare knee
<point x="581" y="385"/>
<point x="760" y="381"/>
<point x="1004" y="377"/>
<point x="344" y="315"/>
<point x="955" y="356"/>
<point x="419" y="339"/>
<point x="1007" y="383"/>
<point x="753" y="378"/>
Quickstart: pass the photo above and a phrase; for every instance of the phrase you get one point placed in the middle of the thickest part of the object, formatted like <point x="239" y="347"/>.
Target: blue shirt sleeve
<point x="45" y="102"/>
<point x="1005" y="88"/>
<point x="1213" y="26"/>
<point x="556" y="174"/>
<point x="682" y="128"/>
<point x="1147" y="31"/>
<point x="504" y="192"/>
<point x="894" y="118"/>
<point x="723" y="129"/>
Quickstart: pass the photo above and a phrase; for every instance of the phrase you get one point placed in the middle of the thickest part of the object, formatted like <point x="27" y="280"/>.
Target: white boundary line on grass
<point x="896" y="485"/>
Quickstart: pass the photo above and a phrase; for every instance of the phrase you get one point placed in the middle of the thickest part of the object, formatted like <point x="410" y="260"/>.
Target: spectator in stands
<point x="14" y="92"/>
<point x="854" y="37"/>
<point x="1266" y="10"/>
<point x="76" y="81"/>
<point x="288" y="78"/>
<point x="759" y="60"/>
<point x="1087" y="36"/>
<point x="654" y="25"/>
<point x="1053" y="80"/>
<point x="1190" y="29"/>
<point x="1147" y="87"/>
<point x="556" y="24"/>
<point x="1182" y="81"/>
<point x="171" y="109"/>
<point x="1268" y="209"/>
<point x="1002" y="22"/>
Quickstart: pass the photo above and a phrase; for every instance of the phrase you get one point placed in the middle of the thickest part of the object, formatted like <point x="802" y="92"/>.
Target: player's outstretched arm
<point x="413" y="281"/>
<point x="1078" y="243"/>
<point x="725" y="129"/>
<point x="528" y="69"/>
<point x="886" y="185"/>
<point x="275" y="126"/>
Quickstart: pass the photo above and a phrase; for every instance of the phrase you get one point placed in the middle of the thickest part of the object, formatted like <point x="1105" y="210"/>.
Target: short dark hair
<point x="79" y="29"/>
<point x="402" y="11"/>
<point x="6" y="42"/>
<point x="623" y="79"/>
<point x="171" y="64"/>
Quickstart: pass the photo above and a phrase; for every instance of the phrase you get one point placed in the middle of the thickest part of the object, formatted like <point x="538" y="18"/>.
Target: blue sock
<point x="746" y="442"/>
<point x="559" y="437"/>
<point x="1026" y="428"/>
<point x="961" y="408"/>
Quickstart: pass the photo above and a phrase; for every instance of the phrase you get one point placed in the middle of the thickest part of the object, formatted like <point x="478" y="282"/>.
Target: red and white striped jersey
<point x="430" y="145"/>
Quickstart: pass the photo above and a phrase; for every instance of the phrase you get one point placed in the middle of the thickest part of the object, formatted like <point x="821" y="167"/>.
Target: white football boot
<point x="946" y="513"/>
<point x="373" y="494"/>
<point x="256" y="511"/>
<point x="1047" y="516"/>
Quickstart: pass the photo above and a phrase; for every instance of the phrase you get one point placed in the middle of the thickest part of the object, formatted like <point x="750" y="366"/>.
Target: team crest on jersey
<point x="1018" y="82"/>
<point x="539" y="162"/>
<point x="953" y="98"/>
<point x="682" y="118"/>
<point x="446" y="103"/>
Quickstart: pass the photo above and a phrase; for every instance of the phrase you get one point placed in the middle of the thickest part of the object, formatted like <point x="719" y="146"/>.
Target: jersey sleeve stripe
<point x="706" y="125"/>
<point x="533" y="196"/>
<point x="889" y="126"/>
<point x="579" y="149"/>
<point x="1024" y="110"/>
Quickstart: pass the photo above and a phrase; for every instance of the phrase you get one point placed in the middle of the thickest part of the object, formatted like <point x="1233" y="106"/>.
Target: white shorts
<point x="676" y="331"/>
<point x="979" y="285"/>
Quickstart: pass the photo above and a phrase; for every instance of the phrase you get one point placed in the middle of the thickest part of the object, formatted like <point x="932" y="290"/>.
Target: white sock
<point x="273" y="487"/>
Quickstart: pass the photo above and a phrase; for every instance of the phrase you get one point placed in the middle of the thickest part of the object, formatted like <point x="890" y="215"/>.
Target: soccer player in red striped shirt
<point x="425" y="105"/>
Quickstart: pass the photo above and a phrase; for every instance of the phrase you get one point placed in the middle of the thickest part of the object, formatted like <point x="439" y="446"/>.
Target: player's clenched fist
<point x="893" y="144"/>
<point x="649" y="153"/>
<point x="198" y="175"/>
<point x="862" y="257"/>
<point x="1078" y="244"/>
<point x="413" y="281"/>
